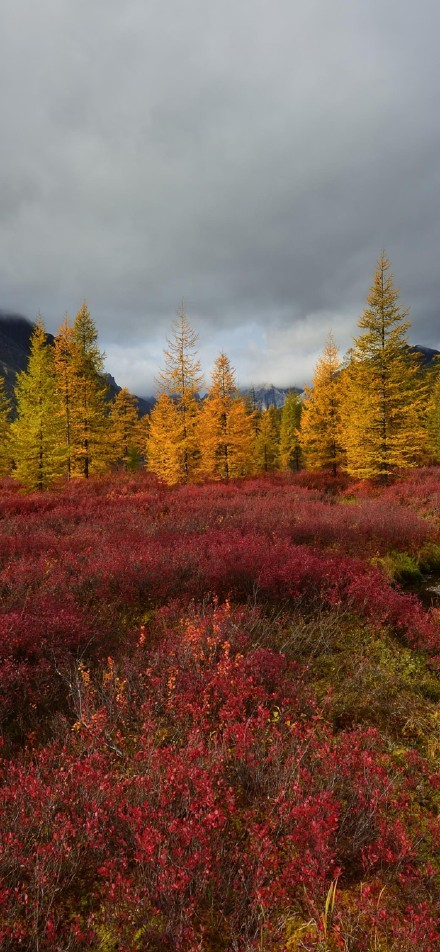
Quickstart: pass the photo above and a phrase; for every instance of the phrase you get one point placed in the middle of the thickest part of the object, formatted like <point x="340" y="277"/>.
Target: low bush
<point x="218" y="717"/>
<point x="400" y="566"/>
<point x="201" y="799"/>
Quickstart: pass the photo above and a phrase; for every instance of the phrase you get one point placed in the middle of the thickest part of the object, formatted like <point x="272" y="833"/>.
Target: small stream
<point x="428" y="590"/>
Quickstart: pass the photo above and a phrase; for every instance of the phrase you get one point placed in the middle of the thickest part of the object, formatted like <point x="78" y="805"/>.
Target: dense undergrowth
<point x="219" y="716"/>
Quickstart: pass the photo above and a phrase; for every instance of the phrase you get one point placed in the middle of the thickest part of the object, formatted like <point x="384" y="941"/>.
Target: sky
<point x="248" y="157"/>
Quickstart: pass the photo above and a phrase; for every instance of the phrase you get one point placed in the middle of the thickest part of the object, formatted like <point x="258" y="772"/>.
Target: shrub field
<point x="219" y="716"/>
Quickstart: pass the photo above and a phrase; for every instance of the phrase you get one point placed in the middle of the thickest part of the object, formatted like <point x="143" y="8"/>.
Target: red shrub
<point x="199" y="796"/>
<point x="199" y="792"/>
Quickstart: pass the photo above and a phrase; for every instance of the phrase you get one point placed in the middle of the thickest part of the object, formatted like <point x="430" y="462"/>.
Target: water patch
<point x="428" y="591"/>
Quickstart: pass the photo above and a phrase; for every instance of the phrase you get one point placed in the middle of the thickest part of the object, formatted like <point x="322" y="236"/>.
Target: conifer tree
<point x="125" y="433"/>
<point x="5" y="431"/>
<point x="434" y="412"/>
<point x="225" y="427"/>
<point x="384" y="392"/>
<point x="289" y="432"/>
<point x="144" y="435"/>
<point x="89" y="450"/>
<point x="266" y="445"/>
<point x="320" y="435"/>
<point x="37" y="438"/>
<point x="180" y="380"/>
<point x="241" y="439"/>
<point x="166" y="442"/>
<point x="254" y="411"/>
<point x="66" y="386"/>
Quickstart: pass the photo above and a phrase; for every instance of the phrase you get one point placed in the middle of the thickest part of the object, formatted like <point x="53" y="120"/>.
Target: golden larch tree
<point x="89" y="448"/>
<point x="385" y="395"/>
<point x="434" y="411"/>
<point x="225" y="427"/>
<point x="37" y="435"/>
<point x="5" y="431"/>
<point x="180" y="381"/>
<point x="266" y="442"/>
<point x="290" y="453"/>
<point x="126" y="434"/>
<point x="166" y="441"/>
<point x="320" y="433"/>
<point x="66" y="387"/>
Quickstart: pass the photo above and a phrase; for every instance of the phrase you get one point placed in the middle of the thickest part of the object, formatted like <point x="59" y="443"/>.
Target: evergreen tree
<point x="37" y="438"/>
<point x="290" y="454"/>
<point x="125" y="433"/>
<point x="5" y="431"/>
<point x="320" y="435"/>
<point x="225" y="427"/>
<point x="266" y="445"/>
<point x="384" y="392"/>
<point x="180" y="380"/>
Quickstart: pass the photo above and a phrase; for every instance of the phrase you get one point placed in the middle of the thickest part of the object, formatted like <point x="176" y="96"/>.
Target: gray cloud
<point x="250" y="157"/>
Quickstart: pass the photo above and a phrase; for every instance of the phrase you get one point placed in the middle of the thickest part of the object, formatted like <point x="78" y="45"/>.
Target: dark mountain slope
<point x="15" y="334"/>
<point x="16" y="331"/>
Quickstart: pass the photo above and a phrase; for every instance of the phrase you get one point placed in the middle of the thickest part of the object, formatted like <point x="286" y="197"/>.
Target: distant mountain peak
<point x="427" y="354"/>
<point x="267" y="395"/>
<point x="16" y="331"/>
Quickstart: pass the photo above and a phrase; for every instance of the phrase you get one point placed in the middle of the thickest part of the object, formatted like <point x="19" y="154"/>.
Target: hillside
<point x="15" y="334"/>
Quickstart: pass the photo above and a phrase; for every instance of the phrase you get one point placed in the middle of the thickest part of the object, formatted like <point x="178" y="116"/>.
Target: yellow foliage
<point x="126" y="432"/>
<point x="5" y="432"/>
<point x="224" y="428"/>
<point x="266" y="449"/>
<point x="320" y="434"/>
<point x="384" y="398"/>
<point x="166" y="441"/>
<point x="174" y="455"/>
<point x="81" y="390"/>
<point x="289" y="449"/>
<point x="36" y="433"/>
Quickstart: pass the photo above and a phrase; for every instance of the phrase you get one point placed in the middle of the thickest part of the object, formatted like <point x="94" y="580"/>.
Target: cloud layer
<point x="251" y="158"/>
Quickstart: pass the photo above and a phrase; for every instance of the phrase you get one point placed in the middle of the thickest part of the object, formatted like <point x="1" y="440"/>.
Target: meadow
<point x="219" y="715"/>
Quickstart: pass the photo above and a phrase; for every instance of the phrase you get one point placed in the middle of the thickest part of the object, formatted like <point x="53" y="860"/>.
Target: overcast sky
<point x="251" y="157"/>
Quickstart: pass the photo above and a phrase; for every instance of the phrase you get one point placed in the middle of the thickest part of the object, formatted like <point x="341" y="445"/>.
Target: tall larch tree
<point x="254" y="410"/>
<point x="180" y="380"/>
<point x="225" y="427"/>
<point x="320" y="434"/>
<point x="290" y="453"/>
<point x="266" y="442"/>
<point x="66" y="387"/>
<point x="37" y="435"/>
<point x="166" y="442"/>
<point x="125" y="431"/>
<point x="5" y="431"/>
<point x="385" y="396"/>
<point x="88" y="418"/>
<point x="434" y="412"/>
<point x="144" y="435"/>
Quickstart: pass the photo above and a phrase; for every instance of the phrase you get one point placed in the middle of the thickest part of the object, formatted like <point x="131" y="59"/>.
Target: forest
<point x="369" y="415"/>
<point x="220" y="654"/>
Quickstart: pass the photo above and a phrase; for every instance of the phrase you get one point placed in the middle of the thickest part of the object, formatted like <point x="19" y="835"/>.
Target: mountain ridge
<point x="16" y="331"/>
<point x="15" y="334"/>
